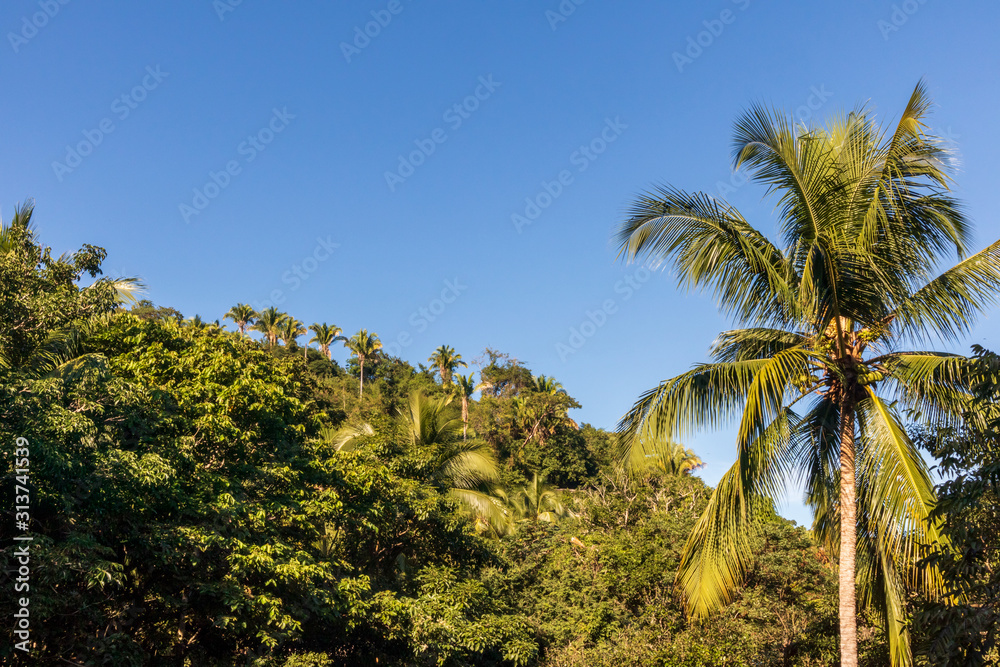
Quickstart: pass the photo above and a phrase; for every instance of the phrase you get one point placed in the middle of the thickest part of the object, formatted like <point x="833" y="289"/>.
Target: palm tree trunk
<point x="848" y="540"/>
<point x="361" y="387"/>
<point x="465" y="416"/>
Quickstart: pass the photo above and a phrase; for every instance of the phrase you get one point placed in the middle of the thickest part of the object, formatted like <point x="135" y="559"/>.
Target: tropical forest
<point x="200" y="470"/>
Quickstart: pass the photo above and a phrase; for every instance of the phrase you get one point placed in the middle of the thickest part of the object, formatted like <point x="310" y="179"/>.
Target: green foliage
<point x="191" y="504"/>
<point x="602" y="592"/>
<point x="962" y="628"/>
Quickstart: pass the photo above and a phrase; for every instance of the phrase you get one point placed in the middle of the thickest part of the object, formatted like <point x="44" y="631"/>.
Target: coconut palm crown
<point x="326" y="335"/>
<point x="290" y="329"/>
<point x="269" y="323"/>
<point x="242" y="315"/>
<point x="821" y="378"/>
<point x="446" y="361"/>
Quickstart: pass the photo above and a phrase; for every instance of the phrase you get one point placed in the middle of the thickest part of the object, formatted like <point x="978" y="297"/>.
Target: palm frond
<point x="347" y="438"/>
<point x="718" y="551"/>
<point x="753" y="343"/>
<point x="949" y="305"/>
<point x="899" y="493"/>
<point x="713" y="247"/>
<point x="709" y="395"/>
<point x="934" y="386"/>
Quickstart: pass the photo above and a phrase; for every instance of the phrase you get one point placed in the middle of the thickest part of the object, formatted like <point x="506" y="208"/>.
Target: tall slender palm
<point x="326" y="335"/>
<point x="364" y="346"/>
<point x="866" y="219"/>
<point x="242" y="315"/>
<point x="289" y="330"/>
<point x="446" y="361"/>
<point x="466" y="387"/>
<point x="269" y="323"/>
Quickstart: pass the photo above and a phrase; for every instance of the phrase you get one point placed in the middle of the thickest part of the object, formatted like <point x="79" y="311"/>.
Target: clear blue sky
<point x="309" y="128"/>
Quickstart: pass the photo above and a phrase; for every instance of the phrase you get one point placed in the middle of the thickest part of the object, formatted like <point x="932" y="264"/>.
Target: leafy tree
<point x="242" y="315"/>
<point x="269" y="323"/>
<point x="866" y="218"/>
<point x="961" y="627"/>
<point x="38" y="295"/>
<point x="503" y="376"/>
<point x="325" y="335"/>
<point x="446" y="361"/>
<point x="147" y="310"/>
<point x="543" y="411"/>
<point x="365" y="346"/>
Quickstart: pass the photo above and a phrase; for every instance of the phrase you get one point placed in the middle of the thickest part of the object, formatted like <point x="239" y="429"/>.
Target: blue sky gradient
<point x="455" y="176"/>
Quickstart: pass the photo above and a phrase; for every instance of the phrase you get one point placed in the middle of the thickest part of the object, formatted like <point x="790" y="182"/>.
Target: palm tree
<point x="465" y="469"/>
<point x="290" y="329"/>
<point x="446" y="361"/>
<point x="268" y="323"/>
<point x="666" y="455"/>
<point x="20" y="230"/>
<point x="542" y="413"/>
<point x="866" y="220"/>
<point x="547" y="385"/>
<point x="538" y="501"/>
<point x="326" y="335"/>
<point x="195" y="322"/>
<point x="364" y="346"/>
<point x="466" y="387"/>
<point x="242" y="315"/>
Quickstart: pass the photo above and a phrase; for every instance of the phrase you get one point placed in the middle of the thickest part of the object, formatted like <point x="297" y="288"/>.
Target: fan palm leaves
<point x="269" y="323"/>
<point x="242" y="316"/>
<point x="446" y="360"/>
<point x="364" y="346"/>
<point x="326" y="335"/>
<point x="819" y="378"/>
